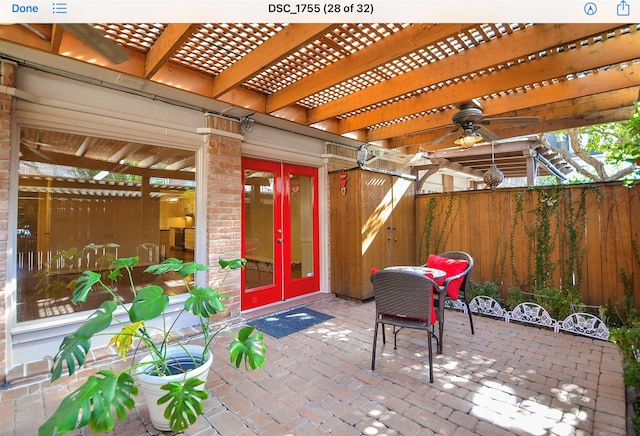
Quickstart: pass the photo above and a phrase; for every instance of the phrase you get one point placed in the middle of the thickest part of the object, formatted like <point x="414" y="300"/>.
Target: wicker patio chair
<point x="450" y="281"/>
<point x="403" y="299"/>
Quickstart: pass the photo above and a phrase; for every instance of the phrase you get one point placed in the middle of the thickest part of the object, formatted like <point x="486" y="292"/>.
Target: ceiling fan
<point x="93" y="38"/>
<point x="471" y="120"/>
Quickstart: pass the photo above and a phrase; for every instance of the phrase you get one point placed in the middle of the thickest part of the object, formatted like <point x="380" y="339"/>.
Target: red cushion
<point x="451" y="267"/>
<point x="433" y="309"/>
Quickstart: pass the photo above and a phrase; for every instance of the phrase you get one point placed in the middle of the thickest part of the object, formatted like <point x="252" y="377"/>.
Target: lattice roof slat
<point x="452" y="65"/>
<point x="139" y="36"/>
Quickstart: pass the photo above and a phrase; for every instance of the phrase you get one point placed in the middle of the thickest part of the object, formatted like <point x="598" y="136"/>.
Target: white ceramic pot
<point x="151" y="384"/>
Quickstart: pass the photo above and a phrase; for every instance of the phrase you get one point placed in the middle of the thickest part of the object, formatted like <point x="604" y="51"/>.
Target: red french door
<point x="279" y="232"/>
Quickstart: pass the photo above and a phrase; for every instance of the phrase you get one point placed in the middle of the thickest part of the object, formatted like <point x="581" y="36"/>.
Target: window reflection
<point x="84" y="201"/>
<point x="301" y="195"/>
<point x="259" y="213"/>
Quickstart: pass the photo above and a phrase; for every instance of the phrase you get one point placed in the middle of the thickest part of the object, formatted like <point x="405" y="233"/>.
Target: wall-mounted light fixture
<point x="361" y="159"/>
<point x="362" y="154"/>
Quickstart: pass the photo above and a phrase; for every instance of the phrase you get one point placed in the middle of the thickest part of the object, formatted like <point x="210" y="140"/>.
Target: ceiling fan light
<point x="468" y="138"/>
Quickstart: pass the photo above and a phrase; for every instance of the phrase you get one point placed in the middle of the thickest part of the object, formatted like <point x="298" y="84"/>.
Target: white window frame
<point x="56" y="103"/>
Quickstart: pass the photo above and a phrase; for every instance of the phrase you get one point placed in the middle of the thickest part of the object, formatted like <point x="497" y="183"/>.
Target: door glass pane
<point x="301" y="240"/>
<point x="74" y="213"/>
<point x="259" y="212"/>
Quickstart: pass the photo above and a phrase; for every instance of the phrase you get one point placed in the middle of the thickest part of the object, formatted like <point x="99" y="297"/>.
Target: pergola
<point x="395" y="86"/>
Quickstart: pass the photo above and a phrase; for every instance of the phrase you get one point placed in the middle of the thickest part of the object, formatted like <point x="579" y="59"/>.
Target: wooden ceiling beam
<point x="584" y="106"/>
<point x="567" y="111"/>
<point x="182" y="164"/>
<point x="511" y="104"/>
<point x="507" y="88"/>
<point x="459" y="168"/>
<point x="169" y="41"/>
<point x="482" y="150"/>
<point x="392" y="47"/>
<point x="87" y="142"/>
<point x="521" y="43"/>
<point x="27" y="181"/>
<point x="601" y="82"/>
<point x="56" y="38"/>
<point x="569" y="91"/>
<point x="270" y="52"/>
<point x="604" y="116"/>
<point x="583" y="58"/>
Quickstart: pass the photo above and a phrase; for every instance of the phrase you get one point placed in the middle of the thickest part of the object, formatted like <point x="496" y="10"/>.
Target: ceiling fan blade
<point x="510" y="120"/>
<point x="445" y="136"/>
<point x="487" y="135"/>
<point x="35" y="31"/>
<point x="97" y="41"/>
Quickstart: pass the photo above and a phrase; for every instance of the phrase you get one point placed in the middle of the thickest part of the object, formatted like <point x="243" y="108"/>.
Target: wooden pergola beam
<point x="513" y="46"/>
<point x="562" y="109"/>
<point x="272" y="51"/>
<point x="170" y="40"/>
<point x="609" y="52"/>
<point x="400" y="43"/>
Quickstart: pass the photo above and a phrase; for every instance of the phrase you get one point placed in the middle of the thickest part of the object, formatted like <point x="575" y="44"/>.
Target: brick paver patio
<point x="506" y="379"/>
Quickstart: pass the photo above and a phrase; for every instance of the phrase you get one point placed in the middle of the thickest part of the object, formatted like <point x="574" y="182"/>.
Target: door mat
<point x="282" y="324"/>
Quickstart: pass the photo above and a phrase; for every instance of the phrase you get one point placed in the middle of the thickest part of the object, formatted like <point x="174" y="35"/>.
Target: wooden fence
<point x="582" y="236"/>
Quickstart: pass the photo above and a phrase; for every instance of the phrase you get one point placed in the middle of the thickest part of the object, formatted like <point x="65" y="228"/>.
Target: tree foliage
<point x="610" y="151"/>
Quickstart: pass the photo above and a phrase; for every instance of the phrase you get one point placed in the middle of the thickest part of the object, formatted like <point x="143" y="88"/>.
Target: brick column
<point x="224" y="203"/>
<point x="7" y="72"/>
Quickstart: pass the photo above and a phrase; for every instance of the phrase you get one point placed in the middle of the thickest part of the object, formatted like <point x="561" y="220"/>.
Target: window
<point x="84" y="201"/>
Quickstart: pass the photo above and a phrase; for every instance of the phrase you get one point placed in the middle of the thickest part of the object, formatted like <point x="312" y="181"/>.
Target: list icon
<point x="59" y="7"/>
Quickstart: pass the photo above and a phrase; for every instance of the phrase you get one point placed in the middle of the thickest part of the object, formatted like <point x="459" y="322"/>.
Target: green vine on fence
<point x="499" y="259"/>
<point x="572" y="248"/>
<point x="427" y="226"/>
<point x="514" y="225"/>
<point x="554" y="207"/>
<point x="545" y="236"/>
<point x="433" y="214"/>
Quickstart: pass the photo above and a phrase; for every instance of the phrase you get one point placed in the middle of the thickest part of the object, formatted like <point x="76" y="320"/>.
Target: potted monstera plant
<point x="172" y="373"/>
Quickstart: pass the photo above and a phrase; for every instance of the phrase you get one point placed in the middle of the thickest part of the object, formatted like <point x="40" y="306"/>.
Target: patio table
<point x="433" y="272"/>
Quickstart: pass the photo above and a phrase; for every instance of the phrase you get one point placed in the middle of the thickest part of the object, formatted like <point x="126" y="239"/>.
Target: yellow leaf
<point x="124" y="338"/>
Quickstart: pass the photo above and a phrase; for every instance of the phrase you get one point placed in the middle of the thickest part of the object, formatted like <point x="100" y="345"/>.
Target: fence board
<point x="593" y="262"/>
<point x="483" y="225"/>
<point x="610" y="228"/>
<point x="623" y="262"/>
<point x="503" y="267"/>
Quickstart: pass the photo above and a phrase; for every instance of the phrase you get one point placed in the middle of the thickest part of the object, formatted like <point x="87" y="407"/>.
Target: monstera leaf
<point x="185" y="402"/>
<point x="74" y="347"/>
<point x="248" y="346"/>
<point x="233" y="263"/>
<point x="126" y="263"/>
<point x="96" y="403"/>
<point x="177" y="266"/>
<point x="148" y="304"/>
<point x="204" y="302"/>
<point x="83" y="285"/>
